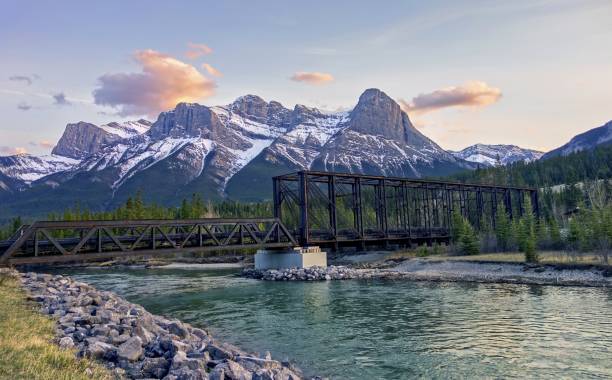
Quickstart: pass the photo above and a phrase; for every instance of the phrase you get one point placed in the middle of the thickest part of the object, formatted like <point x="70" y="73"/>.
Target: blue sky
<point x="543" y="67"/>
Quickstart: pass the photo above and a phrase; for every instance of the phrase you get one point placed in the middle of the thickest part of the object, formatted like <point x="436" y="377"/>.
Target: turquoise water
<point x="387" y="329"/>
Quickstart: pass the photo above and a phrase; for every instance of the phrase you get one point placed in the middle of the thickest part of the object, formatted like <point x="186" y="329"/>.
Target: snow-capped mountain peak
<point x="498" y="154"/>
<point x="231" y="151"/>
<point x="28" y="168"/>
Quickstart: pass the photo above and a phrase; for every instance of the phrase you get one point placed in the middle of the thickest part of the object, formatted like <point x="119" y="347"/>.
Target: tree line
<point x="135" y="208"/>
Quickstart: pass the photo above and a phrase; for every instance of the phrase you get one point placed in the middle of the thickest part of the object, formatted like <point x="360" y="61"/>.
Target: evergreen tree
<point x="527" y="230"/>
<point x="469" y="243"/>
<point x="555" y="234"/>
<point x="457" y="227"/>
<point x="503" y="229"/>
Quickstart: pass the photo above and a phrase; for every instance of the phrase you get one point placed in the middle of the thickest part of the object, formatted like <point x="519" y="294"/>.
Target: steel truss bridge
<point x="63" y="241"/>
<point x="335" y="209"/>
<point x="310" y="208"/>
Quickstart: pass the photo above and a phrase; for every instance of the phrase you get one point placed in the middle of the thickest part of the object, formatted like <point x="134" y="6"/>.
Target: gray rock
<point x="178" y="329"/>
<point x="218" y="352"/>
<point x="180" y="360"/>
<point x="66" y="343"/>
<point x="130" y="350"/>
<point x="143" y="334"/>
<point x="155" y="367"/>
<point x="230" y="370"/>
<point x="98" y="350"/>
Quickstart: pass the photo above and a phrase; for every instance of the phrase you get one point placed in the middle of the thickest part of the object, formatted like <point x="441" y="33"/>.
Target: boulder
<point x="230" y="370"/>
<point x="178" y="329"/>
<point x="131" y="350"/>
<point x="99" y="350"/>
<point x="155" y="367"/>
<point x="66" y="343"/>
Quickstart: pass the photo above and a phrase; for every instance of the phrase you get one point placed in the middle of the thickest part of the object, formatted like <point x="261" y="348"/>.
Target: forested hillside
<point x="578" y="167"/>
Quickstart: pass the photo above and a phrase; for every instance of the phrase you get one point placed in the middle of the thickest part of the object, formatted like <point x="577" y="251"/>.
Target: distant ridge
<point x="587" y="140"/>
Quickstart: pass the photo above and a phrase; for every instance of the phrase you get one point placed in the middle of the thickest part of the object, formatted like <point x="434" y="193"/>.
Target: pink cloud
<point x="470" y="94"/>
<point x="197" y="50"/>
<point x="46" y="144"/>
<point x="312" y="77"/>
<point x="163" y="82"/>
<point x="9" y="150"/>
<point x="211" y="70"/>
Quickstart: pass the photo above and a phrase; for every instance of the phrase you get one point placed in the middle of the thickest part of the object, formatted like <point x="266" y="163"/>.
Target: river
<point x="386" y="329"/>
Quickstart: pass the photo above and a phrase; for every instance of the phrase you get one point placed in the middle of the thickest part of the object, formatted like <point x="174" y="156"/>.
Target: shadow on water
<point x="387" y="329"/>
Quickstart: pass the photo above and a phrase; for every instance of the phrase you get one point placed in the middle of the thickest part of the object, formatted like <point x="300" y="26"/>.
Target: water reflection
<point x="388" y="329"/>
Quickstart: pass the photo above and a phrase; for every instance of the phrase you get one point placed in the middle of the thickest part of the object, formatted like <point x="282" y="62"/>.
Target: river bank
<point x="452" y="271"/>
<point x="134" y="343"/>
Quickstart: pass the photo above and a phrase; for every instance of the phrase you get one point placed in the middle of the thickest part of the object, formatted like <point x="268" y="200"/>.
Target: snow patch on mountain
<point x="28" y="168"/>
<point x="127" y="129"/>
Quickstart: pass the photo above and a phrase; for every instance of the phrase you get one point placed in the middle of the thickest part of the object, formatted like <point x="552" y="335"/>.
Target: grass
<point x="546" y="257"/>
<point x="26" y="347"/>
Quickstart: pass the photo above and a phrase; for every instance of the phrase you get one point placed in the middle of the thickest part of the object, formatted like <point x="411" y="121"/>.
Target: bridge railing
<point x="59" y="241"/>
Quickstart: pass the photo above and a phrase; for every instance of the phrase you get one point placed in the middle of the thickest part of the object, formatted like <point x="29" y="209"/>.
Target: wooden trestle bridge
<point x="310" y="208"/>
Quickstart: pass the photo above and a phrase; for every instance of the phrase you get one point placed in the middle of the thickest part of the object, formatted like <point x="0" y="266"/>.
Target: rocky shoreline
<point x="450" y="271"/>
<point x="136" y="344"/>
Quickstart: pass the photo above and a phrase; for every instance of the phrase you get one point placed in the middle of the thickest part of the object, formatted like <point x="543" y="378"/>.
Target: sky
<point x="531" y="73"/>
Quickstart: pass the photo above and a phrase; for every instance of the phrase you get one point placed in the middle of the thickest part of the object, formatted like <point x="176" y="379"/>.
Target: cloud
<point x="24" y="106"/>
<point x="43" y="144"/>
<point x="312" y="77"/>
<point x="211" y="70"/>
<point x="163" y="82"/>
<point x="46" y="144"/>
<point x="470" y="94"/>
<point x="59" y="99"/>
<point x="23" y="78"/>
<point x="197" y="50"/>
<point x="9" y="150"/>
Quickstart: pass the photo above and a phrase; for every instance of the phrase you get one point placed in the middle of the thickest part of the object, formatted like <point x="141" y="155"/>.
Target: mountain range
<point x="229" y="151"/>
<point x="496" y="155"/>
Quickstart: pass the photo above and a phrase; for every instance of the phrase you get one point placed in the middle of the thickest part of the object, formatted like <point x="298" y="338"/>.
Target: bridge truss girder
<point x="343" y="209"/>
<point x="63" y="241"/>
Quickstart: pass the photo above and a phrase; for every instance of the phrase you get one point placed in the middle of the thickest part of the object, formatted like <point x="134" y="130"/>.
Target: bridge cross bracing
<point x="322" y="208"/>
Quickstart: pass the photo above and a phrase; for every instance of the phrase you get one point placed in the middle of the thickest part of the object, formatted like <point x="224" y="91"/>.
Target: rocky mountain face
<point x="495" y="155"/>
<point x="80" y="140"/>
<point x="378" y="138"/>
<point x="229" y="151"/>
<point x="587" y="140"/>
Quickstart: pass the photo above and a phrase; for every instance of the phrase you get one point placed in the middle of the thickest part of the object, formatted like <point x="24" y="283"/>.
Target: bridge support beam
<point x="290" y="258"/>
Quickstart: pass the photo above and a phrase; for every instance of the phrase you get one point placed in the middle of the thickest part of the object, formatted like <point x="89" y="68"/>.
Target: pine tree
<point x="503" y="228"/>
<point x="469" y="243"/>
<point x="457" y="227"/>
<point x="528" y="238"/>
<point x="556" y="241"/>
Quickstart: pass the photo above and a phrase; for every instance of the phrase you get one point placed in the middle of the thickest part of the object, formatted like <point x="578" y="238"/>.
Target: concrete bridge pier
<point x="298" y="257"/>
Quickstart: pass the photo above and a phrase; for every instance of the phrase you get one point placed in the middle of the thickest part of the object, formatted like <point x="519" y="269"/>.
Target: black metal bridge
<point x="310" y="208"/>
<point x="336" y="209"/>
<point x="63" y="241"/>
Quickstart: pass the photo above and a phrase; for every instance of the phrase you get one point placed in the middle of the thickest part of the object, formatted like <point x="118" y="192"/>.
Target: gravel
<point x="422" y="270"/>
